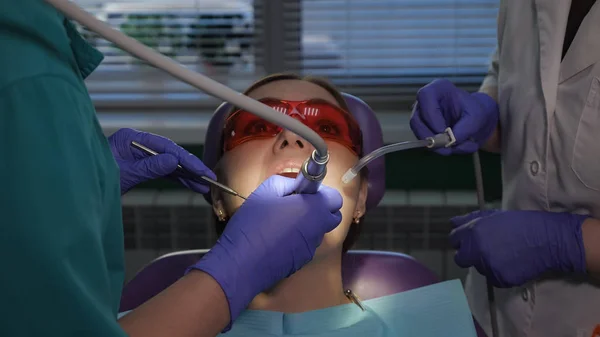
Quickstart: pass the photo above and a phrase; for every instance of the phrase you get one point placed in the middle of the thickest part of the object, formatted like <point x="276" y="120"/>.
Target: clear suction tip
<point x="348" y="176"/>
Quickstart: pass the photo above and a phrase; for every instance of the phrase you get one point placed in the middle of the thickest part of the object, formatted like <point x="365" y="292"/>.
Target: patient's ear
<point x="217" y="204"/>
<point x="361" y="203"/>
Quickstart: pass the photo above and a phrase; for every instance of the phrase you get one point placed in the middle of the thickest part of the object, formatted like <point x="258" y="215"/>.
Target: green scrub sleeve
<point x="61" y="236"/>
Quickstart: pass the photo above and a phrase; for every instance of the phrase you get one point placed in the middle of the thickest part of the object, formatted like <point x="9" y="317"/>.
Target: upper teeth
<point x="290" y="170"/>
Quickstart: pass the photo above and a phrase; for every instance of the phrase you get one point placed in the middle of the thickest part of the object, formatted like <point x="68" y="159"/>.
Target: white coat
<point x="550" y="146"/>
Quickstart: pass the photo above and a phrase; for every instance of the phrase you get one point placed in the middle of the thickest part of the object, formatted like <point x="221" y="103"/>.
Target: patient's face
<point x="247" y="165"/>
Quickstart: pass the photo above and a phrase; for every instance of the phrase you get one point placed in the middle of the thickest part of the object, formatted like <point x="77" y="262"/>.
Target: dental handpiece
<point x="311" y="174"/>
<point x="189" y="175"/>
<point x="314" y="172"/>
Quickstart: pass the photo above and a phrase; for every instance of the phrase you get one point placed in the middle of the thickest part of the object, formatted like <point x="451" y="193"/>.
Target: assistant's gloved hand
<point x="136" y="166"/>
<point x="511" y="248"/>
<point x="271" y="236"/>
<point x="472" y="117"/>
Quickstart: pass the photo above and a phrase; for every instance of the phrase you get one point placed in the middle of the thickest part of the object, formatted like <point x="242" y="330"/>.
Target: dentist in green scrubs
<point x="61" y="179"/>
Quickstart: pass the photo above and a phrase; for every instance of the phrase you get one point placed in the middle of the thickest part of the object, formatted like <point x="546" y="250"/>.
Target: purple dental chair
<point x="370" y="274"/>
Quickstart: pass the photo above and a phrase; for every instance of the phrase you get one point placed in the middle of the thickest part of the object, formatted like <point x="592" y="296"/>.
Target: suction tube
<point x="314" y="169"/>
<point x="443" y="139"/>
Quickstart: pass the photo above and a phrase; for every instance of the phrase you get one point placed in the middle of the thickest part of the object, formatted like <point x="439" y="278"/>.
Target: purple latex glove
<point x="137" y="167"/>
<point x="271" y="236"/>
<point x="512" y="248"/>
<point x="472" y="117"/>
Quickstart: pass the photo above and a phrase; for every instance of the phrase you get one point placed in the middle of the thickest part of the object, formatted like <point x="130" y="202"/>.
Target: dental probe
<point x="188" y="174"/>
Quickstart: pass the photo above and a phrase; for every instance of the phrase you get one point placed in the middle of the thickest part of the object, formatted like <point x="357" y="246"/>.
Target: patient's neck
<point x="317" y="285"/>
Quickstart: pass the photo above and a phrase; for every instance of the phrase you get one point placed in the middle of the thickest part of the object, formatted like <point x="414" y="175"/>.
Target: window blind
<point x="213" y="37"/>
<point x="385" y="50"/>
<point x="380" y="50"/>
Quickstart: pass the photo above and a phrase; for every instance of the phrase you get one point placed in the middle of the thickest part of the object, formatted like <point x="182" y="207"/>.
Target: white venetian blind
<point x="380" y="50"/>
<point x="384" y="50"/>
<point x="214" y="37"/>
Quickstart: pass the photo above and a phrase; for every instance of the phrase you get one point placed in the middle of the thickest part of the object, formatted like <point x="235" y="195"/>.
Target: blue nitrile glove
<point x="472" y="117"/>
<point x="512" y="248"/>
<point x="137" y="167"/>
<point x="271" y="236"/>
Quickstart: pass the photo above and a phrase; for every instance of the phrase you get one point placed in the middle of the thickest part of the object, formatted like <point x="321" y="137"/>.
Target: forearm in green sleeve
<point x="55" y="277"/>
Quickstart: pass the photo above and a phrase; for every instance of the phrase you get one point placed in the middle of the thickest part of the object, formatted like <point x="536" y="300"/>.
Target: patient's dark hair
<point x="355" y="229"/>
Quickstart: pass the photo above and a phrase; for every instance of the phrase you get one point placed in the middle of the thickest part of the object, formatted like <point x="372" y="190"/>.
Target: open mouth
<point x="289" y="172"/>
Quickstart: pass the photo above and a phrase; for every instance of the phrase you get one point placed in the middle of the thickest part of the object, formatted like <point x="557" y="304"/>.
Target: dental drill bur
<point x="187" y="174"/>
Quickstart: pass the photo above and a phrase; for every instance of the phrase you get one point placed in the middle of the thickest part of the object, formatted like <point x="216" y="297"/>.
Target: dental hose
<point x="481" y="203"/>
<point x="352" y="172"/>
<point x="314" y="168"/>
<point x="446" y="139"/>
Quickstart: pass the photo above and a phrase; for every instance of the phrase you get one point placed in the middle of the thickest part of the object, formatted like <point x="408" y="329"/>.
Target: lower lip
<point x="288" y="174"/>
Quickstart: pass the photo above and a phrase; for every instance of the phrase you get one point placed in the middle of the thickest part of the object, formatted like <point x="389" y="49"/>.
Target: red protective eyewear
<point x="326" y="119"/>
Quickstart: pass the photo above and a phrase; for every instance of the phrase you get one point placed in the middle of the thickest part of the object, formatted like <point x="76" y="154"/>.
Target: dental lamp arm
<point x="192" y="78"/>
